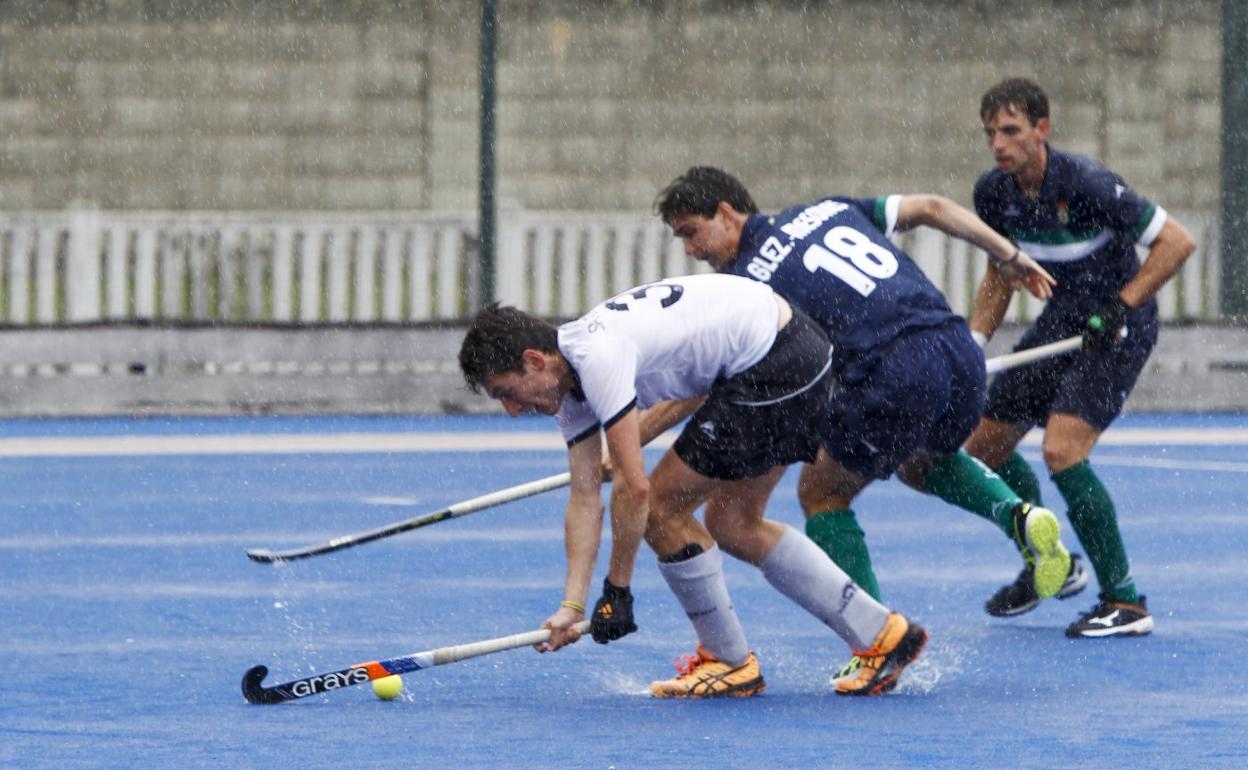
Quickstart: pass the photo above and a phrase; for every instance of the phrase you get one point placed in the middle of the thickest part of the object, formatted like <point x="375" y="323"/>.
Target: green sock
<point x="1096" y="523"/>
<point x="961" y="480"/>
<point x="1022" y="479"/>
<point x="840" y="537"/>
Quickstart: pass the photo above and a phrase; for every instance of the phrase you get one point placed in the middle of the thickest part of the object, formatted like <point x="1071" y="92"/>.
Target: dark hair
<point x="1019" y="94"/>
<point x="496" y="341"/>
<point x="699" y="191"/>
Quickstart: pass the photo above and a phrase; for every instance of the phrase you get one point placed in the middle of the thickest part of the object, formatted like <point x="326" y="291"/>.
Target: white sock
<point x="698" y="584"/>
<point x="800" y="570"/>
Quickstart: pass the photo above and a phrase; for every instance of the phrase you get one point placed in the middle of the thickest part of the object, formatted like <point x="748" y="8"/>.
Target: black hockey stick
<point x="267" y="556"/>
<point x="257" y="693"/>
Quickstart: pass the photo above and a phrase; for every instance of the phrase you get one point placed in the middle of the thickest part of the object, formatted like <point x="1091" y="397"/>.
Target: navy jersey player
<point x="1082" y="222"/>
<point x="910" y="379"/>
<point x="760" y="374"/>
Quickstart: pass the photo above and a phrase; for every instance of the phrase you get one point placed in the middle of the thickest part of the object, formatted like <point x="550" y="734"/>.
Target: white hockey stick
<point x="518" y="492"/>
<point x="1010" y="360"/>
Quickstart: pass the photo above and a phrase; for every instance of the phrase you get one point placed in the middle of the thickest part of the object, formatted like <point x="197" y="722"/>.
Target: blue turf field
<point x="131" y="613"/>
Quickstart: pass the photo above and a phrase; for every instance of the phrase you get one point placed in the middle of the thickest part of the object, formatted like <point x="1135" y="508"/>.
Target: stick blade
<point x="257" y="693"/>
<point x="262" y="554"/>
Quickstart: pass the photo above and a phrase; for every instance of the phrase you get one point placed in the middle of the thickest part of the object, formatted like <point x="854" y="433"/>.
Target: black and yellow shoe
<point x="702" y="675"/>
<point x="894" y="648"/>
<point x="1039" y="539"/>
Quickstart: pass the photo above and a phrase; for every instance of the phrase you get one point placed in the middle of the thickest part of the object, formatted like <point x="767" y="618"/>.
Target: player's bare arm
<point x="1014" y="266"/>
<point x="1169" y="250"/>
<point x="582" y="532"/>
<point x="992" y="300"/>
<point x="655" y="420"/>
<point x="630" y="492"/>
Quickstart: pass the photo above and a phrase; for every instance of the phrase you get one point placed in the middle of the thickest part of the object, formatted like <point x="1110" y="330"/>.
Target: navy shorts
<point x="924" y="390"/>
<point x="1089" y="385"/>
<point x="766" y="416"/>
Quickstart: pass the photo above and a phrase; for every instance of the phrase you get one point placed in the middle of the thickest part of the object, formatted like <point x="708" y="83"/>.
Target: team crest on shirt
<point x="1063" y="212"/>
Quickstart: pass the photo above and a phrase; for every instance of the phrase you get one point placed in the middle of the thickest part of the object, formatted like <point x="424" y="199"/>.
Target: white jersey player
<point x="757" y="374"/>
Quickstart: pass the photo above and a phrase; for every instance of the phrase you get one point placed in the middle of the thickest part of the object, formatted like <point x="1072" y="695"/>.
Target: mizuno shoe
<point x="1113" y="617"/>
<point x="894" y="648"/>
<point x="1039" y="539"/>
<point x="702" y="675"/>
<point x="1020" y="596"/>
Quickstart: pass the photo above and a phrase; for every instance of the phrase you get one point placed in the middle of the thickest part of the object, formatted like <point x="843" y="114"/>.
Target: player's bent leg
<point x="800" y="571"/>
<point x="1017" y="472"/>
<point x="826" y="489"/>
<point x="676" y="491"/>
<point x="735" y="517"/>
<point x="692" y="566"/>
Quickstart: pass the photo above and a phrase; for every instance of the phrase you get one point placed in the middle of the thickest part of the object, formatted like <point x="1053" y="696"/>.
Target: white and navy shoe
<point x="1113" y="617"/>
<point x="1020" y="596"/>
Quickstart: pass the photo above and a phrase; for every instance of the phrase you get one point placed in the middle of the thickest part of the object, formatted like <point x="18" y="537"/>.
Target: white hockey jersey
<point x="665" y="340"/>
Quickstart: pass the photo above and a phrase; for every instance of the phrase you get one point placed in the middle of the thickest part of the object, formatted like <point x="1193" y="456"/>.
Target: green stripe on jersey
<point x="1146" y="219"/>
<point x="879" y="214"/>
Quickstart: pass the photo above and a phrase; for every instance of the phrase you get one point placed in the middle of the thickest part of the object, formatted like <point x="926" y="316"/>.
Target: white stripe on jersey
<point x="1154" y="227"/>
<point x="1066" y="252"/>
<point x="666" y="340"/>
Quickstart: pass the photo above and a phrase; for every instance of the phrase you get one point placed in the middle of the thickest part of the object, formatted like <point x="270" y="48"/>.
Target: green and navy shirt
<point x="832" y="259"/>
<point x="1082" y="227"/>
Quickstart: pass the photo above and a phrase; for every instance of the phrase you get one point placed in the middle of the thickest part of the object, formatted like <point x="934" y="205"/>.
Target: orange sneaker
<point x="894" y="648"/>
<point x="702" y="675"/>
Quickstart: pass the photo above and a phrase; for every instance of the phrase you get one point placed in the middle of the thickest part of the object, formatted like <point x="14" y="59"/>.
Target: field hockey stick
<point x="360" y="673"/>
<point x="1009" y="361"/>
<point x="518" y="492"/>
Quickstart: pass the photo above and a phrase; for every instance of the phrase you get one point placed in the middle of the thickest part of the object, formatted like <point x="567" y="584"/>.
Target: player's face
<point x="1017" y="146"/>
<point x="712" y="240"/>
<point x="536" y="391"/>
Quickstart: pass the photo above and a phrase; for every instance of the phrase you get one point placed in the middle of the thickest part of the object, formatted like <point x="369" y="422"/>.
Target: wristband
<point x="573" y="605"/>
<point x="980" y="338"/>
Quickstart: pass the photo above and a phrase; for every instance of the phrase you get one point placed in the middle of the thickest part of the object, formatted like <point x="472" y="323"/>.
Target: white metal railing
<point x="86" y="265"/>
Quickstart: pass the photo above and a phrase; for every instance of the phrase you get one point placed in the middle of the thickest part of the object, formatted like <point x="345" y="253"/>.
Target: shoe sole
<point x="1141" y="627"/>
<point x="744" y="690"/>
<point x="1011" y="612"/>
<point x="1051" y="559"/>
<point x="906" y="652"/>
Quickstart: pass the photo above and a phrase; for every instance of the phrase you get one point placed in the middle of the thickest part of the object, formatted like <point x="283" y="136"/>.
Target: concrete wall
<point x="109" y="371"/>
<point x="315" y="104"/>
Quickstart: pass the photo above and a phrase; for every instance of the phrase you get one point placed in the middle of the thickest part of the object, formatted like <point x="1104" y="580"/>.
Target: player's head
<point x="1015" y="114"/>
<point x="514" y="357"/>
<point x="706" y="208"/>
<point x="700" y="190"/>
<point x="1019" y="95"/>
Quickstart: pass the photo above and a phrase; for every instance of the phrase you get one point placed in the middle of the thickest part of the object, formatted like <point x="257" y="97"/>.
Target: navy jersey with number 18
<point x="833" y="260"/>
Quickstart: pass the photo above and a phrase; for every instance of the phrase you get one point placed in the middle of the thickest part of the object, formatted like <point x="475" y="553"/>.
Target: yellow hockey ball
<point x="388" y="687"/>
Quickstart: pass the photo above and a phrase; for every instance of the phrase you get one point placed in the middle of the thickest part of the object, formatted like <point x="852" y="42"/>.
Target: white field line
<point x="1158" y="462"/>
<point x="485" y="441"/>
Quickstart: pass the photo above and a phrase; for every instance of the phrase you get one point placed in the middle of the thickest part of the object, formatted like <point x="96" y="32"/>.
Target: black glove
<point x="1105" y="324"/>
<point x="613" y="614"/>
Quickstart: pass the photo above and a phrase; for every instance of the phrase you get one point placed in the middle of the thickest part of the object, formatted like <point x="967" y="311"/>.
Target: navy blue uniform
<point x="1082" y="228"/>
<point x="908" y="374"/>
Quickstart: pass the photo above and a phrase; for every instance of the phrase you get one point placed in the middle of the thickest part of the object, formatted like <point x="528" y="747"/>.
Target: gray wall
<point x="313" y="104"/>
<point x="135" y="371"/>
